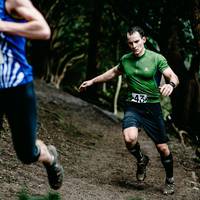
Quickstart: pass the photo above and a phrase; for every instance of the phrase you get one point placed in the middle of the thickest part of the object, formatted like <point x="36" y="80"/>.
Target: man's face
<point x="136" y="43"/>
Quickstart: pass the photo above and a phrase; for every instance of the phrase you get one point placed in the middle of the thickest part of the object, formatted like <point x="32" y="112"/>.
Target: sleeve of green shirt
<point x="162" y="63"/>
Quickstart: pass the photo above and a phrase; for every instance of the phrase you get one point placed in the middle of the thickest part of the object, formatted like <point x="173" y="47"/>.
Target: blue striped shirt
<point x="14" y="68"/>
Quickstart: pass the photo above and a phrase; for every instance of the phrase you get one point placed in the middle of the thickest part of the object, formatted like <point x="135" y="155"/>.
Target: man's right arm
<point x="35" y="26"/>
<point x="108" y="75"/>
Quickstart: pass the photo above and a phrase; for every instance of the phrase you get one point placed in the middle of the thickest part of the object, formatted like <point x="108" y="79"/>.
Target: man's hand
<point x="166" y="89"/>
<point x="85" y="84"/>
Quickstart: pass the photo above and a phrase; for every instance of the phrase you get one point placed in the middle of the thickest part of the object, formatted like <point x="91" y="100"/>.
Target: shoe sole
<point x="168" y="193"/>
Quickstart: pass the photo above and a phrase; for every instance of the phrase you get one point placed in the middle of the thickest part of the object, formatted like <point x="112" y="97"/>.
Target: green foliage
<point x="70" y="22"/>
<point x="166" y="106"/>
<point x="135" y="198"/>
<point x="169" y="26"/>
<point x="23" y="195"/>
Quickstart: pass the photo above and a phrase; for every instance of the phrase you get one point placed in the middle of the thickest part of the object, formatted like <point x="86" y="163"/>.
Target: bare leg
<point x="130" y="138"/>
<point x="45" y="156"/>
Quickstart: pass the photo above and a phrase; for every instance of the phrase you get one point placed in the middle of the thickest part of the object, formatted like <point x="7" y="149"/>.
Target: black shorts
<point x="147" y="116"/>
<point x="19" y="106"/>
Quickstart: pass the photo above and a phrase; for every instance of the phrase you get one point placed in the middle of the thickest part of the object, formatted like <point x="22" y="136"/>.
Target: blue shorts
<point x="18" y="104"/>
<point x="147" y="116"/>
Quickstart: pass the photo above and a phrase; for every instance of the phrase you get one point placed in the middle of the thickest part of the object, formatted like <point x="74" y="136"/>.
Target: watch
<point x="172" y="84"/>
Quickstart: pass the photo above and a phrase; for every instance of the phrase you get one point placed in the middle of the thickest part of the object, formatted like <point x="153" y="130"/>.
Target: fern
<point x="23" y="195"/>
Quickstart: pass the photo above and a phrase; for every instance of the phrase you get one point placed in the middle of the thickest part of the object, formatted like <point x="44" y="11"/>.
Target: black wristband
<point x="172" y="84"/>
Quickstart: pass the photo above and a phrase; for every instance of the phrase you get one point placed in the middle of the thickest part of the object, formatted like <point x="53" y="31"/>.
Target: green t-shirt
<point x="143" y="75"/>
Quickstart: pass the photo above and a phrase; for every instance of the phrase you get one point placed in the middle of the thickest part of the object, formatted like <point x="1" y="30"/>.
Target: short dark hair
<point x="138" y="29"/>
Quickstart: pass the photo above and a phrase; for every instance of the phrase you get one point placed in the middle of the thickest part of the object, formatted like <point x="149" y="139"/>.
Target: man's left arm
<point x="173" y="82"/>
<point x="35" y="26"/>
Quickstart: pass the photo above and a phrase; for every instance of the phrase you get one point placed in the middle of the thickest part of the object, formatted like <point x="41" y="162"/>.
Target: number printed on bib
<point x="139" y="98"/>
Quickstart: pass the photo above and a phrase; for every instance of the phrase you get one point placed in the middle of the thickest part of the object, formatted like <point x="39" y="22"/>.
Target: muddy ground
<point x="96" y="163"/>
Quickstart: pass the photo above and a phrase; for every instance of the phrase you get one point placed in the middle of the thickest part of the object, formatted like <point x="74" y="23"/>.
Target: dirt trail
<point x="96" y="163"/>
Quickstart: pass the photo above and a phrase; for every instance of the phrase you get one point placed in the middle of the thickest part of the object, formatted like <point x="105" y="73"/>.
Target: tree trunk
<point x="195" y="21"/>
<point x="170" y="47"/>
<point x="185" y="98"/>
<point x="39" y="53"/>
<point x="94" y="32"/>
<point x="194" y="83"/>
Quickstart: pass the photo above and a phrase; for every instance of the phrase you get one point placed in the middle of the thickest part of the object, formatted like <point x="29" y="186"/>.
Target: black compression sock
<point x="135" y="151"/>
<point x="168" y="165"/>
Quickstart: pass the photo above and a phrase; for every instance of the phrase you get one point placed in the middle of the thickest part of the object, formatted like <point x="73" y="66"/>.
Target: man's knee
<point x="130" y="135"/>
<point x="163" y="149"/>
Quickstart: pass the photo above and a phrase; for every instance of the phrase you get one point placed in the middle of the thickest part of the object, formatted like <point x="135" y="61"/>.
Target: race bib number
<point x="139" y="98"/>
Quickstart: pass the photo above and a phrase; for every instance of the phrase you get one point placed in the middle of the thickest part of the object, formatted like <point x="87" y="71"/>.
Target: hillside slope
<point x="96" y="163"/>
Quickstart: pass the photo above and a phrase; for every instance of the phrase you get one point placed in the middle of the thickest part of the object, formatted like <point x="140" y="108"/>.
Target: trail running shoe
<point x="55" y="171"/>
<point x="141" y="168"/>
<point x="169" y="186"/>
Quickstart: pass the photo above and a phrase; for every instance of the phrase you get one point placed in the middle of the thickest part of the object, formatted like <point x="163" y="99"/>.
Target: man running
<point x="143" y="69"/>
<point x="19" y="19"/>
